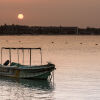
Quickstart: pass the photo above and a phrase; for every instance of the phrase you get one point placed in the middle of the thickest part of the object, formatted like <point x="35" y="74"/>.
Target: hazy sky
<point x="80" y="13"/>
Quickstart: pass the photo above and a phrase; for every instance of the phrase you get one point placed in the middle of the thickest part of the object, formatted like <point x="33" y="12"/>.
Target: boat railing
<point x="10" y="53"/>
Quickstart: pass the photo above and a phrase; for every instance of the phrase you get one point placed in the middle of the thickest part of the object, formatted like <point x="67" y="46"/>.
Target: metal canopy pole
<point x="30" y="57"/>
<point x="10" y="55"/>
<point x="23" y="55"/>
<point x="30" y="49"/>
<point x="1" y="56"/>
<point x="18" y="55"/>
<point x="41" y="55"/>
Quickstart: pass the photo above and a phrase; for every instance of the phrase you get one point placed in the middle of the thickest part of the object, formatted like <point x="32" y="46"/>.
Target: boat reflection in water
<point x="25" y="89"/>
<point x="39" y="84"/>
<point x="33" y="84"/>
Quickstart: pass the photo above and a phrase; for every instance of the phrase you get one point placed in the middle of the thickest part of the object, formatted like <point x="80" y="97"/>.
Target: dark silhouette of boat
<point x="19" y="71"/>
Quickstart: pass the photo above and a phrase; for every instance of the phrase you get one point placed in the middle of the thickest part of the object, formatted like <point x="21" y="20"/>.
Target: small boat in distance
<point x="21" y="71"/>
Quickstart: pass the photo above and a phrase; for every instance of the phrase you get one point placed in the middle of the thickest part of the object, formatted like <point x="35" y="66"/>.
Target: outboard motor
<point x="6" y="62"/>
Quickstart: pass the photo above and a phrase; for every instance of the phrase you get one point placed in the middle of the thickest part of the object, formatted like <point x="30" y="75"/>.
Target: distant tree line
<point x="47" y="30"/>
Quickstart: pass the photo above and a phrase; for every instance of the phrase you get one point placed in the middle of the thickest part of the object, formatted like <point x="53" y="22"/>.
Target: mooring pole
<point x="1" y="56"/>
<point x="77" y="31"/>
<point x="30" y="56"/>
<point x="10" y="55"/>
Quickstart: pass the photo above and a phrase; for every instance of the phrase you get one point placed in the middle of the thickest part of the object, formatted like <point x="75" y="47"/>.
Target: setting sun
<point x="20" y="16"/>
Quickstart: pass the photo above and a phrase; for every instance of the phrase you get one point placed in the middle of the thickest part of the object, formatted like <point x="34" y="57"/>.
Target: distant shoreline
<point x="20" y="30"/>
<point x="51" y="35"/>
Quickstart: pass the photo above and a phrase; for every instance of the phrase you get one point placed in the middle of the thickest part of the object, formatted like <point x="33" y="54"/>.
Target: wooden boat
<point x="21" y="71"/>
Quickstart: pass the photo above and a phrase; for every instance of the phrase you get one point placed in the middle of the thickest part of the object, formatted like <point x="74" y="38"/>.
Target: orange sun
<point x="20" y="16"/>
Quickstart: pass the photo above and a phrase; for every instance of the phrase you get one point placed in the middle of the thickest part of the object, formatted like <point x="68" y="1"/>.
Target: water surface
<point x="77" y="77"/>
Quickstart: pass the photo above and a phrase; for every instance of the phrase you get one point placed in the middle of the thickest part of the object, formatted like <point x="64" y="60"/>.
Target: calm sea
<point x="77" y="75"/>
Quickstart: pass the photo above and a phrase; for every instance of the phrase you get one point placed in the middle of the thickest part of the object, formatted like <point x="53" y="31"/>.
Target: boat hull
<point x="26" y="72"/>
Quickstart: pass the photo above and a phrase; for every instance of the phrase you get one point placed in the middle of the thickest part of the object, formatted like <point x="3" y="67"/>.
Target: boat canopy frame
<point x="30" y="49"/>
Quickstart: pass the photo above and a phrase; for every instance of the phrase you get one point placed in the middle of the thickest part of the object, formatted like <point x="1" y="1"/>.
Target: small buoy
<point x="96" y="44"/>
<point x="66" y="42"/>
<point x="52" y="42"/>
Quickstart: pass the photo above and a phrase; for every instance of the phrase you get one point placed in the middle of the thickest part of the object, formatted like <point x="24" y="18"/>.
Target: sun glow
<point x="20" y="16"/>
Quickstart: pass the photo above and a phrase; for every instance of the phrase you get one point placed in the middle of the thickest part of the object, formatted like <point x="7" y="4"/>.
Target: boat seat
<point x="15" y="64"/>
<point x="6" y="62"/>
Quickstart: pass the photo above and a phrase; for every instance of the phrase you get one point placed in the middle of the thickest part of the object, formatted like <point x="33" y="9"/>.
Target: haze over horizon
<point x="81" y="13"/>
